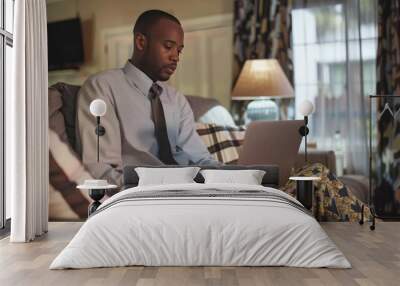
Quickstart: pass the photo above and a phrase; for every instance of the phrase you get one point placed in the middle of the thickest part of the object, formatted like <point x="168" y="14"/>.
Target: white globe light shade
<point x="98" y="107"/>
<point x="306" y="108"/>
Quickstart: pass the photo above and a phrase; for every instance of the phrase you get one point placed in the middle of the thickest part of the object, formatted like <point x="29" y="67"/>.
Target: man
<point x="147" y="122"/>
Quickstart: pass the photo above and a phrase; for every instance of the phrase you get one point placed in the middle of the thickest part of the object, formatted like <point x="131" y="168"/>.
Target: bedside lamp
<point x="98" y="108"/>
<point x="306" y="108"/>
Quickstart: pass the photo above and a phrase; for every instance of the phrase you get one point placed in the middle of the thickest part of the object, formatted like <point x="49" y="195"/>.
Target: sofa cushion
<point x="201" y="105"/>
<point x="210" y="111"/>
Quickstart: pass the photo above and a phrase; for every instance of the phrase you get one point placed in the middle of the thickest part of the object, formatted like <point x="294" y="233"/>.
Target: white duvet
<point x="183" y="231"/>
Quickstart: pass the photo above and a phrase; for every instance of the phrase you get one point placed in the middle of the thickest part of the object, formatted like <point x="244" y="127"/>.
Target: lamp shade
<point x="262" y="78"/>
<point x="98" y="107"/>
<point x="306" y="107"/>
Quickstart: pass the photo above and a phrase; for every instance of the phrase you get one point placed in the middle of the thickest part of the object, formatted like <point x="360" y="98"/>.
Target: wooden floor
<point x="375" y="256"/>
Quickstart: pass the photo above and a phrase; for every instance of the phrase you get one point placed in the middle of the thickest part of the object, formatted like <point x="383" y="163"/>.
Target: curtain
<point x="27" y="124"/>
<point x="334" y="44"/>
<point x="388" y="60"/>
<point x="386" y="151"/>
<point x="262" y="29"/>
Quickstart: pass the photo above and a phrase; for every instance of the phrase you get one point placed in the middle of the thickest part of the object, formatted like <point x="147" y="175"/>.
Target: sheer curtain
<point x="334" y="45"/>
<point x="27" y="124"/>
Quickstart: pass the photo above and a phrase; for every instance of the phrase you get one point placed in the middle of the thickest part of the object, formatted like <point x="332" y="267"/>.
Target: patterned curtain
<point x="388" y="60"/>
<point x="386" y="171"/>
<point x="262" y="30"/>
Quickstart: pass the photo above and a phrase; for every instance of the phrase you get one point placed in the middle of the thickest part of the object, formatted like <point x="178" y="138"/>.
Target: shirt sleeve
<point x="110" y="162"/>
<point x="189" y="141"/>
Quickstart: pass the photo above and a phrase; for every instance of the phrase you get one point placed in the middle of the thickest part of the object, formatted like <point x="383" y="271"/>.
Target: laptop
<point x="272" y="143"/>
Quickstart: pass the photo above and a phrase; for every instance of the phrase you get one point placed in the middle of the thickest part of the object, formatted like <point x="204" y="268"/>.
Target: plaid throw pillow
<point x="223" y="142"/>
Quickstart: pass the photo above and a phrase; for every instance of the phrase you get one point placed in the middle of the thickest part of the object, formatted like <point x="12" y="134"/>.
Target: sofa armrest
<point x="358" y="185"/>
<point x="327" y="158"/>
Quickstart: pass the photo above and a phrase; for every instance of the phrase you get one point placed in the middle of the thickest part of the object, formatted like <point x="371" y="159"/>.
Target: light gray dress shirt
<point x="129" y="137"/>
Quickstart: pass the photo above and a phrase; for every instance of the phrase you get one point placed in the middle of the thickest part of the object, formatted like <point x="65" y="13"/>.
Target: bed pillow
<point x="247" y="177"/>
<point x="162" y="176"/>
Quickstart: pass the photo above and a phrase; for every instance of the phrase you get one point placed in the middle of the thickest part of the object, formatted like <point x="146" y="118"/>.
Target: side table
<point x="305" y="190"/>
<point x="97" y="190"/>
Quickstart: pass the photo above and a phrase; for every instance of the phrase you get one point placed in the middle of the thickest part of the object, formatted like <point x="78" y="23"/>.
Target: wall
<point x="98" y="15"/>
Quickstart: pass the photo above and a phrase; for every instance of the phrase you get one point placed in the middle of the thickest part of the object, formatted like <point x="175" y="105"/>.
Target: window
<point x="6" y="44"/>
<point x="334" y="53"/>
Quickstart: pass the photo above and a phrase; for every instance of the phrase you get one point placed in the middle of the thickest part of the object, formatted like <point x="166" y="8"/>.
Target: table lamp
<point x="306" y="108"/>
<point x="262" y="79"/>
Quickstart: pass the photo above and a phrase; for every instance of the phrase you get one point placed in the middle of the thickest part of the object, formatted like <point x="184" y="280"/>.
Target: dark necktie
<point x="160" y="126"/>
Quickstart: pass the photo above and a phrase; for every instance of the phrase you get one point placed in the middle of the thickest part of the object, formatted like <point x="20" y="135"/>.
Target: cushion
<point x="247" y="177"/>
<point x="165" y="175"/>
<point x="223" y="142"/>
<point x="200" y="105"/>
<point x="218" y="115"/>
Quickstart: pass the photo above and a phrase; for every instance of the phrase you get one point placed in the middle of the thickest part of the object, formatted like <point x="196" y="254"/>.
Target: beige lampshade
<point x="262" y="78"/>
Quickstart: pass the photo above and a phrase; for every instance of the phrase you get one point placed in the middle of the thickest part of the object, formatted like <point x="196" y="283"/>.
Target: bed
<point x="198" y="224"/>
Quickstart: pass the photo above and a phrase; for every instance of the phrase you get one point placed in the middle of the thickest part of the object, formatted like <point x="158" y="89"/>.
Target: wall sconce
<point x="98" y="108"/>
<point x="306" y="108"/>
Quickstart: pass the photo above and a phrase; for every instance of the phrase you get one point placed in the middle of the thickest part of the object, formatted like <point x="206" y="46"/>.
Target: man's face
<point x="163" y="47"/>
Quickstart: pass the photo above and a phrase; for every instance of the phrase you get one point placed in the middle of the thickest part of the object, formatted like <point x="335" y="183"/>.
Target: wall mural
<point x="386" y="162"/>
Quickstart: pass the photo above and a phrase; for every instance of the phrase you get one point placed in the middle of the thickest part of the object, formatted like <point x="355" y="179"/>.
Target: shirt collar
<point x="139" y="78"/>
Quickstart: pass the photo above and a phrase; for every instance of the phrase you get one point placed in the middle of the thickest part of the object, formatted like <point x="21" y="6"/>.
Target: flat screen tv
<point x="65" y="46"/>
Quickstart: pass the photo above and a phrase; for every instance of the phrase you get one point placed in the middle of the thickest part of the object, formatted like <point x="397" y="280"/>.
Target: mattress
<point x="201" y="225"/>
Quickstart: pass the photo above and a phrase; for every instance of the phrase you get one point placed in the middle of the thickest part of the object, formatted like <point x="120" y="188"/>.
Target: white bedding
<point x="189" y="230"/>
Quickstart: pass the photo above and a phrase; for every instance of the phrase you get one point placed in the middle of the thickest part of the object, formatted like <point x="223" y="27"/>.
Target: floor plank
<point x="375" y="257"/>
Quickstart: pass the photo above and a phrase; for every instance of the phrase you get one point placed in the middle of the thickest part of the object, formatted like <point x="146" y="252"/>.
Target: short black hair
<point x="149" y="18"/>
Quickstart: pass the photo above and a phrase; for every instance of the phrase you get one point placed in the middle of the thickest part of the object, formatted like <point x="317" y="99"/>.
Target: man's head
<point x="158" y="42"/>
